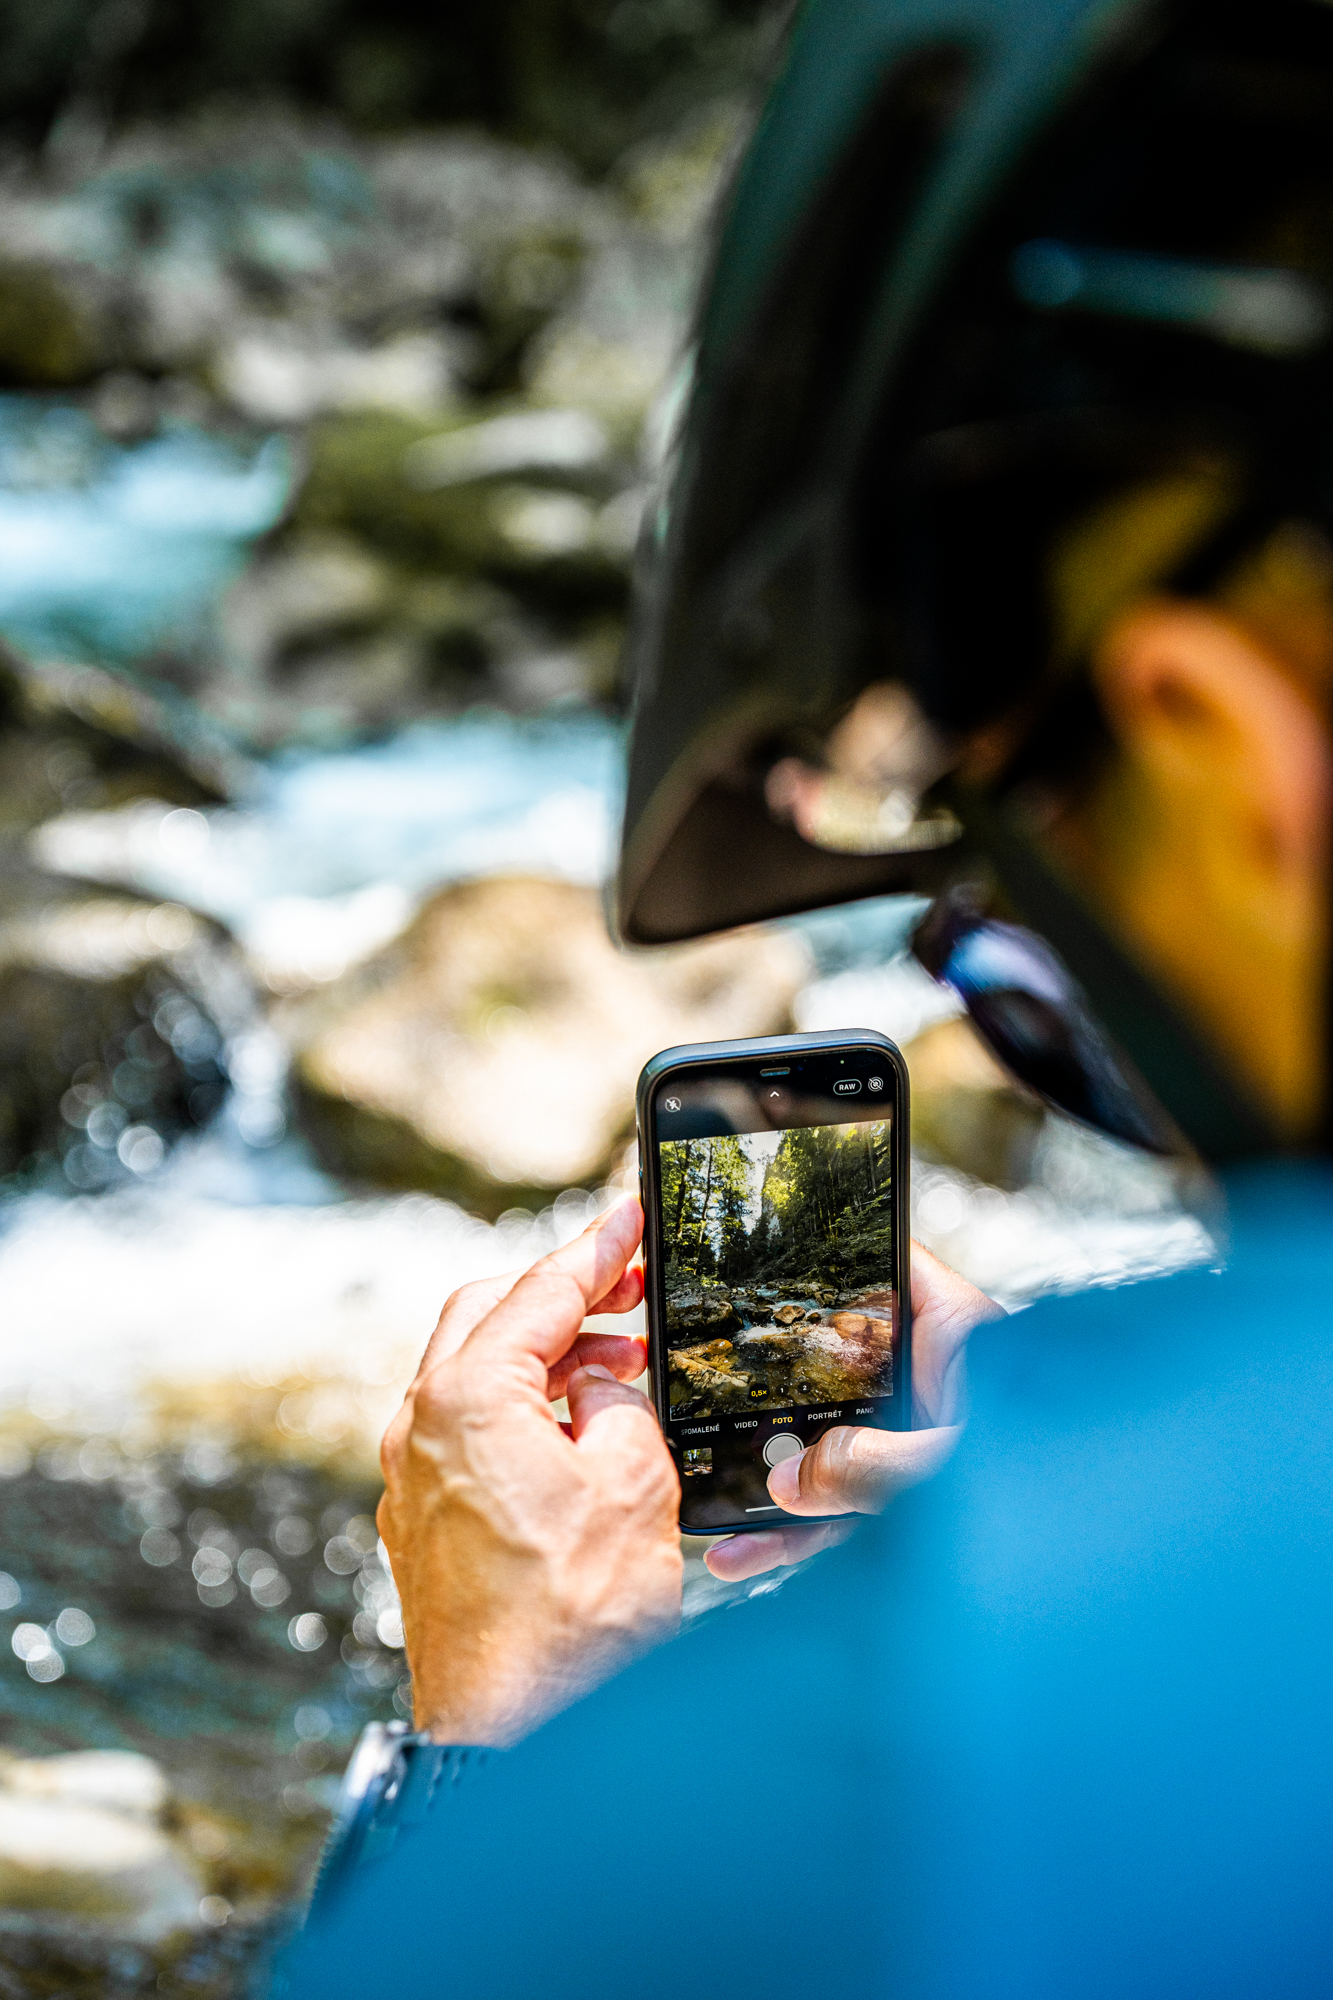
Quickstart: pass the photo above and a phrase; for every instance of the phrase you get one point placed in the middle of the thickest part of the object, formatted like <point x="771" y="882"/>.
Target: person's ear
<point x="1220" y="733"/>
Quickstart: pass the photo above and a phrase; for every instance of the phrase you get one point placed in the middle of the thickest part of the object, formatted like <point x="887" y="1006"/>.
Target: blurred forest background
<point x="340" y="348"/>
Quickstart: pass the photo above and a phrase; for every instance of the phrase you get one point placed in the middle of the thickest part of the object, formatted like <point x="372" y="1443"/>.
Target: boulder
<point x="689" y="1314"/>
<point x="702" y="1372"/>
<point x="285" y="374"/>
<point x="543" y="534"/>
<point x="878" y="1301"/>
<point x="786" y="1315"/>
<point x="704" y="1382"/>
<point x="491" y="1054"/>
<point x="302" y="597"/>
<point x="324" y="641"/>
<point x="79" y="1836"/>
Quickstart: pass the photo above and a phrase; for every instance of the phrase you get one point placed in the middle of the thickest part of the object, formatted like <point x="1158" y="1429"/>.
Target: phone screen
<point x="776" y="1269"/>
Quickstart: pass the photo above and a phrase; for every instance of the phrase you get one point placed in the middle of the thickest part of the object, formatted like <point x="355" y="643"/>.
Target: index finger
<point x="541" y="1315"/>
<point x="461" y="1311"/>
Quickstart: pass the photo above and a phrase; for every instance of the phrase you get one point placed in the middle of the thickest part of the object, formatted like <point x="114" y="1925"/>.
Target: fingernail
<point x="784" y="1481"/>
<point x="602" y="1374"/>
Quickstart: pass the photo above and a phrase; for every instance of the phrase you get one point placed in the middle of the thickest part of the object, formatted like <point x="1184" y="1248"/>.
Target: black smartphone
<point x="774" y="1176"/>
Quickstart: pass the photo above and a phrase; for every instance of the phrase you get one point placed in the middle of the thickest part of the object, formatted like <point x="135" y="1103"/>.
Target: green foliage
<point x="829" y="1189"/>
<point x="705" y="1188"/>
<point x="824" y="1211"/>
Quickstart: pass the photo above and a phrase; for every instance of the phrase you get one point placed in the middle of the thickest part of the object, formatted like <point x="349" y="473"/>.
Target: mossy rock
<point x="525" y="533"/>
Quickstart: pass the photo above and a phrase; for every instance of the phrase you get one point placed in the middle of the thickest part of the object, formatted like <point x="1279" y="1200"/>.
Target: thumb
<point x="850" y="1470"/>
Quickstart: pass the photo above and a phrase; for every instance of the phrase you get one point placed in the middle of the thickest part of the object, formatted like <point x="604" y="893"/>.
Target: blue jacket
<point x="1060" y="1724"/>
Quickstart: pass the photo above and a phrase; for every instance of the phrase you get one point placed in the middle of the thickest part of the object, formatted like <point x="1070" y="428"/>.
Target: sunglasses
<point x="1036" y="1021"/>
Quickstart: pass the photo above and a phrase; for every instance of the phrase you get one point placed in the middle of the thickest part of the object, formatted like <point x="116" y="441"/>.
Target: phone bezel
<point x="728" y="1055"/>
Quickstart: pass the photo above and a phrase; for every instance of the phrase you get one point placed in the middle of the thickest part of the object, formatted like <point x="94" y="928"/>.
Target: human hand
<point x="852" y="1470"/>
<point x="532" y="1559"/>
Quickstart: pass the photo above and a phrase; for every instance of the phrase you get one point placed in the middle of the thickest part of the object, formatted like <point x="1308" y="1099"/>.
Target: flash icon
<point x="671" y="1103"/>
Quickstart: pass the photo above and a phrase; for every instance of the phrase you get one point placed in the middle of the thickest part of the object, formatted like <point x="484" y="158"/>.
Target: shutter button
<point x="784" y="1445"/>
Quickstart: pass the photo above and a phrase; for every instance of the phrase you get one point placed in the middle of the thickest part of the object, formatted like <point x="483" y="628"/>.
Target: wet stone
<point x="110" y="1049"/>
<point x="54" y="329"/>
<point x="237" y="1725"/>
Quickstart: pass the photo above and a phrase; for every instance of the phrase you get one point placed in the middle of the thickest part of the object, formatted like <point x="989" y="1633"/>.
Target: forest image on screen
<point x="778" y="1256"/>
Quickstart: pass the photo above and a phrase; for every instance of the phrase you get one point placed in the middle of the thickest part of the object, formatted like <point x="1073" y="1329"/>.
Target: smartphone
<point x="774" y="1177"/>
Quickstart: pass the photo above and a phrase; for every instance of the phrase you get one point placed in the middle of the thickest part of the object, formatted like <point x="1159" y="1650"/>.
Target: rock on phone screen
<point x="777" y="1282"/>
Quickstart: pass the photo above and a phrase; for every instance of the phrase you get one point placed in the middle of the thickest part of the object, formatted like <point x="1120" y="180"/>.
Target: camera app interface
<point x="777" y="1274"/>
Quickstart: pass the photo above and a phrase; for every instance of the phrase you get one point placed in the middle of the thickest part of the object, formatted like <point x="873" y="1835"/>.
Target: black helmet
<point x="985" y="261"/>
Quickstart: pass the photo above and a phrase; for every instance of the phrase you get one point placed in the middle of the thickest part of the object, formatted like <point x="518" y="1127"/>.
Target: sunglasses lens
<point x="1036" y="1022"/>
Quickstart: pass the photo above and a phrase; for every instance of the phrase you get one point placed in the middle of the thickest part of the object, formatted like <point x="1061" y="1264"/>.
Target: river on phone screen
<point x="310" y="755"/>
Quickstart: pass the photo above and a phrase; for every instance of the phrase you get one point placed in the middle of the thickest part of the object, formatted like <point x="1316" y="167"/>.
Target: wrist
<point x="491" y="1688"/>
<point x="479" y="1692"/>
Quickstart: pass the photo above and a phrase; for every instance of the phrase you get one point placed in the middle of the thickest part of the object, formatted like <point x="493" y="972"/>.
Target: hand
<point x="851" y="1470"/>
<point x="533" y="1559"/>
